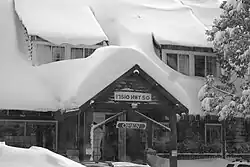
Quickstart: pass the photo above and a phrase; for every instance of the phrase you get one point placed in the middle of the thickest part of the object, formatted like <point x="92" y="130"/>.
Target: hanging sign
<point x="132" y="96"/>
<point x="131" y="125"/>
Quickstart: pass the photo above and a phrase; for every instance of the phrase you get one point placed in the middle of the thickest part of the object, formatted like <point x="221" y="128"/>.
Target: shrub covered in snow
<point x="230" y="36"/>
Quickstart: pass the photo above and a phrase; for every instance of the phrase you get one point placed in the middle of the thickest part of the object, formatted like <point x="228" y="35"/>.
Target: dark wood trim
<point x="187" y="48"/>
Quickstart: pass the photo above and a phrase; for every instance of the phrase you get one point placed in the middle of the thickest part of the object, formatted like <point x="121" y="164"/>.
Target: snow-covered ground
<point x="33" y="157"/>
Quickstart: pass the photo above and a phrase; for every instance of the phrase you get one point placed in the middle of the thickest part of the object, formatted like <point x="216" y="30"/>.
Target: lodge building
<point x="164" y="111"/>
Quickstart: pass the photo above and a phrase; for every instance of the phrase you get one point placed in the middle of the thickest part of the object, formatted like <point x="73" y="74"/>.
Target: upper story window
<point x="205" y="65"/>
<point x="179" y="62"/>
<point x="76" y="53"/>
<point x="58" y="53"/>
<point x="89" y="51"/>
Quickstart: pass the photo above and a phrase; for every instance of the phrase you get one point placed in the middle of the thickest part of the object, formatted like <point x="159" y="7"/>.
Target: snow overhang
<point x="60" y="22"/>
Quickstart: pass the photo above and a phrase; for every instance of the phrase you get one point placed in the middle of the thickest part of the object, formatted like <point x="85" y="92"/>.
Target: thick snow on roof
<point x="60" y="21"/>
<point x="20" y="87"/>
<point x="170" y="21"/>
<point x="205" y="10"/>
<point x="33" y="157"/>
<point x="77" y="81"/>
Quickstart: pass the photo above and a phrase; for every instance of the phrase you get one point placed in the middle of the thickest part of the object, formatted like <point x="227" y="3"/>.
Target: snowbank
<point x="32" y="157"/>
<point x="60" y="22"/>
<point x="20" y="86"/>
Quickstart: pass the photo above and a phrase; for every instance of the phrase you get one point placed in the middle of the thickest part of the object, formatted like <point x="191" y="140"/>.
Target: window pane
<point x="211" y="65"/>
<point x="89" y="51"/>
<point x="76" y="53"/>
<point x="199" y="65"/>
<point x="172" y="61"/>
<point x="58" y="53"/>
<point x="12" y="133"/>
<point x="184" y="64"/>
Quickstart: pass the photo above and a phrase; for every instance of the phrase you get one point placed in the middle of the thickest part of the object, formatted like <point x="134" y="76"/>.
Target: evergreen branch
<point x="223" y="91"/>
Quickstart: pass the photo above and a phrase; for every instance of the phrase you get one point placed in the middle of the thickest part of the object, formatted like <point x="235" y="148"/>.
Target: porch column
<point x="173" y="138"/>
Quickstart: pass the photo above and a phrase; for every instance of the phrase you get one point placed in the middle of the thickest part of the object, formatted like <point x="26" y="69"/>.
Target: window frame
<point x="191" y="55"/>
<point x="83" y="52"/>
<point x="206" y="64"/>
<point x="215" y="125"/>
<point x="61" y="58"/>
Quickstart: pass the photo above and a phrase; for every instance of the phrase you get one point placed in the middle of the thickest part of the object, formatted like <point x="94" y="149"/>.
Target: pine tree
<point x="230" y="35"/>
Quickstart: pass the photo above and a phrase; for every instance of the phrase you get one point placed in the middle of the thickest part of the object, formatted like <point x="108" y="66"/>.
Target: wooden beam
<point x="173" y="138"/>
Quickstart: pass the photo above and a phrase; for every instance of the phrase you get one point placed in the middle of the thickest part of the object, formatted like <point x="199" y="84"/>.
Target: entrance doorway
<point x="120" y="144"/>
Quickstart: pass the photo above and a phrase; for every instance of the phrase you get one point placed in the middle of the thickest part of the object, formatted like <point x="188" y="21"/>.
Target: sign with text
<point x="132" y="96"/>
<point x="131" y="125"/>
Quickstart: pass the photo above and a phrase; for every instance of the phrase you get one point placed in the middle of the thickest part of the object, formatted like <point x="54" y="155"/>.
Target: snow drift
<point x="20" y="86"/>
<point x="33" y="157"/>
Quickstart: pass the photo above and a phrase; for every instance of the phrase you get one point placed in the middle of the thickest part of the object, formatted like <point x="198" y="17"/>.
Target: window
<point x="179" y="62"/>
<point x="58" y="53"/>
<point x="205" y="65"/>
<point x="172" y="61"/>
<point x="76" y="53"/>
<point x="89" y="51"/>
<point x="213" y="133"/>
<point x="27" y="133"/>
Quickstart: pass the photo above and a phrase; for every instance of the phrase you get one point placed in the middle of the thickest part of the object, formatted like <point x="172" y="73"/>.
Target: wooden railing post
<point x="173" y="139"/>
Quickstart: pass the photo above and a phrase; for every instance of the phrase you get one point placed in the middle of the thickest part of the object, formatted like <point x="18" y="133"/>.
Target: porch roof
<point x="60" y="22"/>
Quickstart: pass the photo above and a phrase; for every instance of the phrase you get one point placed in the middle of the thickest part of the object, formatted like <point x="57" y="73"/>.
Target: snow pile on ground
<point x="20" y="86"/>
<point x="128" y="164"/>
<point x="33" y="157"/>
<point x="60" y="22"/>
<point x="156" y="161"/>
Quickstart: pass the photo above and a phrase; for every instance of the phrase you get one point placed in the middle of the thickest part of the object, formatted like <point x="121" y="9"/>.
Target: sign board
<point x="132" y="96"/>
<point x="131" y="125"/>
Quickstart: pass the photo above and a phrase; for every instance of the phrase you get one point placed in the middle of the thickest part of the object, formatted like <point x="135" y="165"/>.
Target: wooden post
<point x="173" y="139"/>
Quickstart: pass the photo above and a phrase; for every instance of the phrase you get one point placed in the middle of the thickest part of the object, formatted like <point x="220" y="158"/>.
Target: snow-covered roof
<point x="170" y="21"/>
<point x="20" y="86"/>
<point x="77" y="81"/>
<point x="205" y="10"/>
<point x="60" y="22"/>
